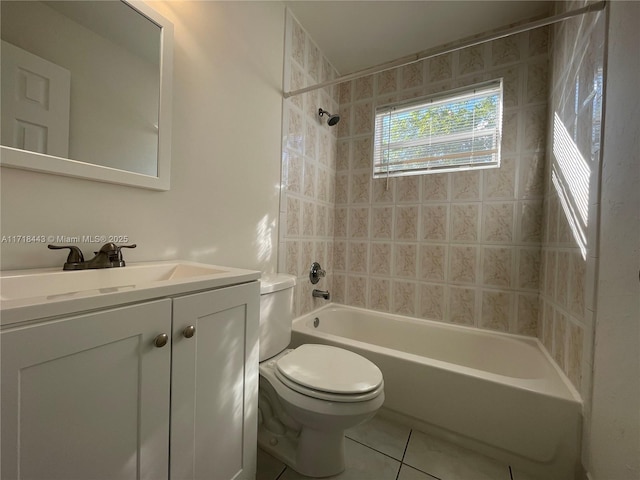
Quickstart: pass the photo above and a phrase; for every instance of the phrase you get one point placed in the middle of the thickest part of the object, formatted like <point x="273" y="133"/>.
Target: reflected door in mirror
<point x="35" y="103"/>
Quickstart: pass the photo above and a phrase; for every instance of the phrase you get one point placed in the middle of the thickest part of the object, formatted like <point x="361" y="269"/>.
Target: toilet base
<point x="312" y="453"/>
<point x="304" y="432"/>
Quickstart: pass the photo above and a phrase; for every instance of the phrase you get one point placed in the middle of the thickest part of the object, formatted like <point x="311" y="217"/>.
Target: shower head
<point x="333" y="119"/>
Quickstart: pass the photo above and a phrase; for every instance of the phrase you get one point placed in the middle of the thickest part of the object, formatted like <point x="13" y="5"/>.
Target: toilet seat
<point x="329" y="373"/>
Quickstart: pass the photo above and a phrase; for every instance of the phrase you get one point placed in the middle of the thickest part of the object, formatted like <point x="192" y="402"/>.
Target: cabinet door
<point x="87" y="397"/>
<point x="214" y="394"/>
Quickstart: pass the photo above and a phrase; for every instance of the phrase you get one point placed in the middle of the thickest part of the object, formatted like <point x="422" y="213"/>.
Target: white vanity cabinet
<point x="214" y="393"/>
<point x="96" y="395"/>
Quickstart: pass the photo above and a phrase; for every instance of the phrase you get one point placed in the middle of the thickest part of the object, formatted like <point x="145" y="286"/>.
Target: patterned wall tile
<point x="440" y="68"/>
<point x="403" y="298"/>
<point x="506" y="50"/>
<point x="357" y="291"/>
<point x="358" y="222"/>
<point x="382" y="223"/>
<point x="511" y="84"/>
<point x="435" y="187"/>
<point x="298" y="44"/>
<point x="433" y="262"/>
<point x="529" y="268"/>
<point x="432" y="301"/>
<point x="341" y="195"/>
<point x="340" y="222"/>
<point x="363" y="88"/>
<point x="405" y="260"/>
<point x="537" y="82"/>
<point x="357" y="257"/>
<point x="408" y="189"/>
<point x="471" y="60"/>
<point x="575" y="350"/>
<point x="531" y="174"/>
<point x="510" y="126"/>
<point x="380" y="262"/>
<point x="340" y="255"/>
<point x="406" y="225"/>
<point x="435" y="222"/>
<point x="498" y="222"/>
<point x="497" y="266"/>
<point x="530" y="218"/>
<point x="426" y="245"/>
<point x="496" y="310"/>
<point x="464" y="222"/>
<point x="379" y="297"/>
<point x="462" y="305"/>
<point x="308" y="218"/>
<point x="362" y="154"/>
<point x="360" y="184"/>
<point x="412" y="75"/>
<point x="387" y="81"/>
<point x="463" y="261"/>
<point x="308" y="189"/>
<point x="345" y="90"/>
<point x="527" y="314"/>
<point x="500" y="183"/>
<point x="538" y="41"/>
<point x="559" y="338"/>
<point x="534" y="128"/>
<point x="466" y="185"/>
<point x="362" y="118"/>
<point x="309" y="180"/>
<point x="383" y="190"/>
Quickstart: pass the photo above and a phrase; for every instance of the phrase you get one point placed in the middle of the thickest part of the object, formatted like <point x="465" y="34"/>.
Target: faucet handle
<point x="110" y="248"/>
<point x="75" y="254"/>
<point x="113" y="251"/>
<point x="316" y="272"/>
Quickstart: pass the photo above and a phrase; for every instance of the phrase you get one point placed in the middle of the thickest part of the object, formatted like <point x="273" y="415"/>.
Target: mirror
<point x="86" y="90"/>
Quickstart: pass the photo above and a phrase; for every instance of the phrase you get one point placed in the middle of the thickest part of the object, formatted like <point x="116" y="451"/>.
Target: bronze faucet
<point x="109" y="256"/>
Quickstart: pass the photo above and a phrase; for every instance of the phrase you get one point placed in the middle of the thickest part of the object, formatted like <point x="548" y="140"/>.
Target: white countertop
<point x="27" y="295"/>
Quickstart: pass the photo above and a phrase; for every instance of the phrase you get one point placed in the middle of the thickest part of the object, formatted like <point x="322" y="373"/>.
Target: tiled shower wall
<point x="308" y="167"/>
<point x="571" y="195"/>
<point x="457" y="247"/>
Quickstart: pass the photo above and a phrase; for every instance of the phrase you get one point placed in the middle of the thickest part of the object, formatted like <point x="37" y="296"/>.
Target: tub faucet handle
<point x="316" y="272"/>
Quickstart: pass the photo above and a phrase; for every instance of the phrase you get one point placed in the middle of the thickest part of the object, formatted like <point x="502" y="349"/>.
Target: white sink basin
<point x="51" y="283"/>
<point x="29" y="294"/>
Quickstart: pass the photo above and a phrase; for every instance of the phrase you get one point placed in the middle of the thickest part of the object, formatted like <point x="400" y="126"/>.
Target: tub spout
<point x="321" y="294"/>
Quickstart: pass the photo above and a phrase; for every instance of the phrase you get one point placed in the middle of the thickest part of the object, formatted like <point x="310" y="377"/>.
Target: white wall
<point x="614" y="440"/>
<point x="223" y="203"/>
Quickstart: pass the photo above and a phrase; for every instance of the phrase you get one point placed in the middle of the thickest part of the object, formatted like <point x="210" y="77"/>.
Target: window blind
<point x="458" y="130"/>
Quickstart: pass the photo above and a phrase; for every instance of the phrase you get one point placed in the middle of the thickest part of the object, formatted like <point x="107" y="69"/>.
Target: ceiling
<point x="355" y="35"/>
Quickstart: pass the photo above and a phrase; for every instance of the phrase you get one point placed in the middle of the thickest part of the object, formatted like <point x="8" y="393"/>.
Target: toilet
<point x="308" y="396"/>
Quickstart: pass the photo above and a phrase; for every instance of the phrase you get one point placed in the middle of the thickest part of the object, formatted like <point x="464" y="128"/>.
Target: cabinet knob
<point x="161" y="340"/>
<point x="189" y="332"/>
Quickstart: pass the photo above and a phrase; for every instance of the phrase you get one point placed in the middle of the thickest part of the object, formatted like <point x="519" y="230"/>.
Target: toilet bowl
<point x="310" y="395"/>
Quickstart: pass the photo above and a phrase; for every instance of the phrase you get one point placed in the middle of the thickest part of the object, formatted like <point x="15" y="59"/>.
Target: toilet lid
<point x="330" y="369"/>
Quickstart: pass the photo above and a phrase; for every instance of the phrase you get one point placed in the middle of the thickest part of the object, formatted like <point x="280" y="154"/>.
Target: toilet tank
<point x="276" y="313"/>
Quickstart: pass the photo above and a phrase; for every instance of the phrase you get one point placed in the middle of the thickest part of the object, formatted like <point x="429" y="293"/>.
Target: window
<point x="458" y="130"/>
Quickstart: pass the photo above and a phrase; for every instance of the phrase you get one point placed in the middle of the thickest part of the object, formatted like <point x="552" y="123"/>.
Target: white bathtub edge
<point x="573" y="394"/>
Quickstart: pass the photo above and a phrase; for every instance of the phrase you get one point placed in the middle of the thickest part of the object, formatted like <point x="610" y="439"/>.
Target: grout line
<point x="406" y="445"/>
<point x="281" y="473"/>
<point x="415" y="468"/>
<point x="403" y="454"/>
<point x="371" y="448"/>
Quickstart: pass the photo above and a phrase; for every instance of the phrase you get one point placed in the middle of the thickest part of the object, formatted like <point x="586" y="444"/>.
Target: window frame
<point x="453" y="95"/>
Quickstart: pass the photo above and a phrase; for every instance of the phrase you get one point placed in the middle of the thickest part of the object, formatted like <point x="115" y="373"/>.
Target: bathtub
<point x="494" y="392"/>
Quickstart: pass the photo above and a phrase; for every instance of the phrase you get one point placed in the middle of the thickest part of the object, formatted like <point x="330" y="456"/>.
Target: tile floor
<point x="382" y="449"/>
